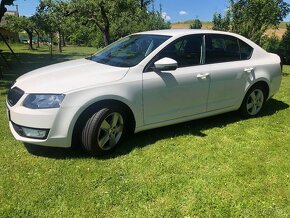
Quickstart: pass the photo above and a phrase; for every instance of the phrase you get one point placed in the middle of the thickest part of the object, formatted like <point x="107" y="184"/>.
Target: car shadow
<point x="143" y="139"/>
<point x="195" y="127"/>
<point x="56" y="153"/>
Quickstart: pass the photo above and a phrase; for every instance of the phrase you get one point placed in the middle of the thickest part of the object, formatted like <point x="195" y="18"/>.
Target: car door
<point x="227" y="67"/>
<point x="183" y="92"/>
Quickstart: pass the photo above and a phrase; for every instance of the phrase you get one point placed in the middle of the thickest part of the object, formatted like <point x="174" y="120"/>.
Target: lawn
<point x="223" y="166"/>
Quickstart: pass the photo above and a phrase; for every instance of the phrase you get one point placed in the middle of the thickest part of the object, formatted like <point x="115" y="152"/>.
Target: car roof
<point x="184" y="32"/>
<point x="180" y="32"/>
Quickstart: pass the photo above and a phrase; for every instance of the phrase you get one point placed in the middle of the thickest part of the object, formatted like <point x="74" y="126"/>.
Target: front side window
<point x="221" y="48"/>
<point x="186" y="51"/>
<point x="129" y="51"/>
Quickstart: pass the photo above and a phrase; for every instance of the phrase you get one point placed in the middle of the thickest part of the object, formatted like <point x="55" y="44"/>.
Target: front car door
<point x="174" y="94"/>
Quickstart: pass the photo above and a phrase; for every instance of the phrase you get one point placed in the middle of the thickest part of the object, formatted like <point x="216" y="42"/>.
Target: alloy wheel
<point x="110" y="131"/>
<point x="255" y="102"/>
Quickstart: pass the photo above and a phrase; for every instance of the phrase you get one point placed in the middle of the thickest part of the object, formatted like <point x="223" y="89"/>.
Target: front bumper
<point x="53" y="121"/>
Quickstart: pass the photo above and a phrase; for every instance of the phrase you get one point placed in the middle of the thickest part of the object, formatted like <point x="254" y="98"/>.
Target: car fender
<point x="134" y="109"/>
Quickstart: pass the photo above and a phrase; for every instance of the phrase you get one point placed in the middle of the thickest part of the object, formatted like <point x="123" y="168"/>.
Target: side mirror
<point x="165" y="64"/>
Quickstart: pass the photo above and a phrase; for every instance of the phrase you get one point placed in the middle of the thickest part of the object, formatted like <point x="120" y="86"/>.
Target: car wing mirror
<point x="165" y="64"/>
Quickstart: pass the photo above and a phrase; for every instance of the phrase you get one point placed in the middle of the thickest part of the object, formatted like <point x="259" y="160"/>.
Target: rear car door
<point x="227" y="60"/>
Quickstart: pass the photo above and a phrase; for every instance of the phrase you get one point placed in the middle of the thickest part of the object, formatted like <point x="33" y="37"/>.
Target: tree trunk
<point x="30" y="40"/>
<point x="37" y="39"/>
<point x="51" y="44"/>
<point x="106" y="28"/>
<point x="59" y="42"/>
<point x="63" y="40"/>
<point x="3" y="9"/>
<point x="1" y="74"/>
<point x="106" y="37"/>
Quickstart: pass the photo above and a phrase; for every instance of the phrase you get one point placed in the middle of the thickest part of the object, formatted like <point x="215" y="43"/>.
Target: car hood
<point x="67" y="76"/>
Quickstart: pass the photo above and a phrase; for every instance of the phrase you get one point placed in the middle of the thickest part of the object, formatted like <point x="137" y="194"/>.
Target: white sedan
<point x="143" y="81"/>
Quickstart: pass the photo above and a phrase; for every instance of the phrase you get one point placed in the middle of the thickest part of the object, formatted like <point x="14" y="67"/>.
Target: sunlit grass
<point x="220" y="166"/>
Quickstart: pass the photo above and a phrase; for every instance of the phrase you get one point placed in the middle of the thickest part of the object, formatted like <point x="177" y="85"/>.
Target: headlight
<point x="43" y="101"/>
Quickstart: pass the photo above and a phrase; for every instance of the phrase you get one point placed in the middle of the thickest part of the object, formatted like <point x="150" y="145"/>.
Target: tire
<point x="104" y="130"/>
<point x="253" y="102"/>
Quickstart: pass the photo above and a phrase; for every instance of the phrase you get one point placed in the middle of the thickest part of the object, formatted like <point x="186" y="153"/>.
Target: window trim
<point x="203" y="51"/>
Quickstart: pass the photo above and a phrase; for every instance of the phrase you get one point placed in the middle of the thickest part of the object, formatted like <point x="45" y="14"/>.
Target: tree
<point x="3" y="9"/>
<point x="285" y="46"/>
<point x="115" y="19"/>
<point x="98" y="12"/>
<point x="271" y="43"/>
<point x="145" y="3"/>
<point x="221" y="23"/>
<point x="196" y="24"/>
<point x="143" y="20"/>
<point x="18" y="24"/>
<point x="37" y="29"/>
<point x="251" y="18"/>
<point x="97" y="22"/>
<point x="56" y="12"/>
<point x="45" y="21"/>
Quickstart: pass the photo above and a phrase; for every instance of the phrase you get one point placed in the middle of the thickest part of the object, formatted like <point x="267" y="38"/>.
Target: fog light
<point x="31" y="132"/>
<point x="34" y="133"/>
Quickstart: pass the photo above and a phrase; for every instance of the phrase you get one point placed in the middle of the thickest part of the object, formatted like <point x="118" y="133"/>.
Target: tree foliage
<point x="285" y="46"/>
<point x="251" y="18"/>
<point x="3" y="8"/>
<point x="115" y="19"/>
<point x="221" y="23"/>
<point x="271" y="43"/>
<point x="51" y="18"/>
<point x="21" y="23"/>
<point x="196" y="24"/>
<point x="145" y="3"/>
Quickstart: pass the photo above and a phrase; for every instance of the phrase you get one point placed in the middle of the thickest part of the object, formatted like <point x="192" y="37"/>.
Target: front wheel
<point x="103" y="131"/>
<point x="253" y="101"/>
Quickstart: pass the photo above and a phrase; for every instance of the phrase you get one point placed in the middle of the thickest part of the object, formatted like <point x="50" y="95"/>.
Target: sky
<point x="173" y="10"/>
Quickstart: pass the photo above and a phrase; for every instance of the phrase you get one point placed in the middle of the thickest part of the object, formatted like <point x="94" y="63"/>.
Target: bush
<point x="271" y="44"/>
<point x="285" y="46"/>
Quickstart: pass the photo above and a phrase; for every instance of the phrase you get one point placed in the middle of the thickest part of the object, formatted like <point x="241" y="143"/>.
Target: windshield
<point x="129" y="51"/>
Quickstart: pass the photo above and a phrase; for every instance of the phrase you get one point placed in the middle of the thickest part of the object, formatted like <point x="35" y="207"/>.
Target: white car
<point x="143" y="81"/>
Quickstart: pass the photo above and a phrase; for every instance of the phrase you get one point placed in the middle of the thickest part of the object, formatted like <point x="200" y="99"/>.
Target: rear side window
<point x="221" y="48"/>
<point x="246" y="50"/>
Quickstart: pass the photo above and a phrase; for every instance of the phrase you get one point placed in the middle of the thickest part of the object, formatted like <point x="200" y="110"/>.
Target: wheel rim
<point x="255" y="102"/>
<point x="110" y="131"/>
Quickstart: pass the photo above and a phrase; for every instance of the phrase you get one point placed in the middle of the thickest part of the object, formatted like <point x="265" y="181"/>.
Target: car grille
<point x="14" y="95"/>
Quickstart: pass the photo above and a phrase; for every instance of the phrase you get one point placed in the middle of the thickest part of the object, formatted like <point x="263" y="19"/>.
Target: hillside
<point x="208" y="25"/>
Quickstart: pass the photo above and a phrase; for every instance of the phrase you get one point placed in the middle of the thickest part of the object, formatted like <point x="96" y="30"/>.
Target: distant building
<point x="9" y="36"/>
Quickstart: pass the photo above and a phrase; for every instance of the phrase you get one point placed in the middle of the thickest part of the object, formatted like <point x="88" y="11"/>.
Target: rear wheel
<point x="253" y="101"/>
<point x="104" y="130"/>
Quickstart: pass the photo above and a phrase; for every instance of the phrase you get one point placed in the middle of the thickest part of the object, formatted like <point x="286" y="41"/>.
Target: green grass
<point x="222" y="166"/>
<point x="30" y="60"/>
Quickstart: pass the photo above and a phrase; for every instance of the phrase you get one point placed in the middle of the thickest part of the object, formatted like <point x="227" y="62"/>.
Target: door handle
<point x="202" y="76"/>
<point x="249" y="69"/>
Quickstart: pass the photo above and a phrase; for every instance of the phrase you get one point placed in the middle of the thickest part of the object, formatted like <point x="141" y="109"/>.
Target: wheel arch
<point x="92" y="107"/>
<point x="262" y="82"/>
